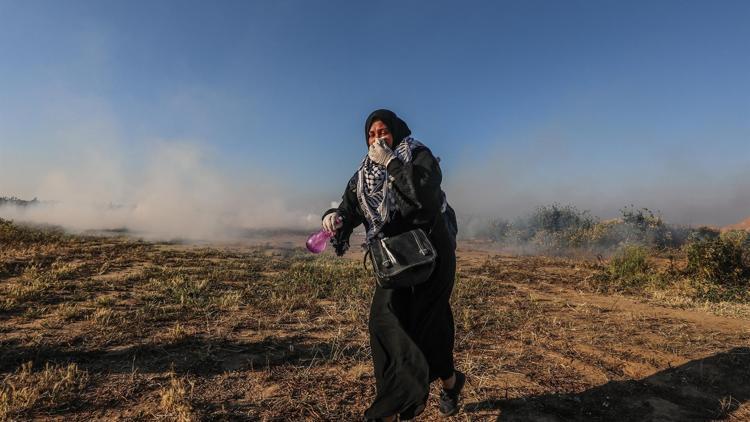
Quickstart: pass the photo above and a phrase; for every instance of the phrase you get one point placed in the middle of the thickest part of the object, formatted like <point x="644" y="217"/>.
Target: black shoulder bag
<point x="403" y="260"/>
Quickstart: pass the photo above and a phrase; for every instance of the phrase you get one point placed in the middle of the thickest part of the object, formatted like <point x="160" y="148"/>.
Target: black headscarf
<point x="396" y="126"/>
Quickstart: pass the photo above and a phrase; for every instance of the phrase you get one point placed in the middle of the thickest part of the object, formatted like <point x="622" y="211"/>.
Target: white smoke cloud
<point x="175" y="192"/>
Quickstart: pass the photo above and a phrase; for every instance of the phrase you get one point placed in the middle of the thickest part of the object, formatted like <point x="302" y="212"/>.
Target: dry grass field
<point x="111" y="328"/>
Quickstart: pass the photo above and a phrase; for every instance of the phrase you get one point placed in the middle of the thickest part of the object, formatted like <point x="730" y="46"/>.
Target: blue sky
<point x="600" y="103"/>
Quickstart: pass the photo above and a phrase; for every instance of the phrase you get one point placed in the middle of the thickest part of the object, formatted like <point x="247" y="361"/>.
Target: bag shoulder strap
<point x="364" y="261"/>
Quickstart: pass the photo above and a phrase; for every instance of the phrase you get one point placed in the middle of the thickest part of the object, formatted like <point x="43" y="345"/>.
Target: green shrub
<point x="722" y="260"/>
<point x="558" y="218"/>
<point x="641" y="218"/>
<point x="552" y="228"/>
<point x="646" y="228"/>
<point x="629" y="261"/>
<point x="629" y="267"/>
<point x="557" y="228"/>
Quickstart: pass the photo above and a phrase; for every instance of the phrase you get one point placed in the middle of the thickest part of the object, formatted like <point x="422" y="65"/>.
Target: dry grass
<point x="46" y="390"/>
<point x="134" y="330"/>
<point x="174" y="400"/>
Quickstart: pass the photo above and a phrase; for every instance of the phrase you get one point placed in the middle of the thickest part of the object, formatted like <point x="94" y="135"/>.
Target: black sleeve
<point x="417" y="184"/>
<point x="351" y="216"/>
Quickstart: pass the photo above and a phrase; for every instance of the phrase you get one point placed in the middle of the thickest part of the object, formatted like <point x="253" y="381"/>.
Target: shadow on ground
<point x="193" y="354"/>
<point x="700" y="390"/>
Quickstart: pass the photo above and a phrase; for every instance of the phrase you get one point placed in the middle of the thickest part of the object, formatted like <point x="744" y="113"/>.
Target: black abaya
<point x="411" y="330"/>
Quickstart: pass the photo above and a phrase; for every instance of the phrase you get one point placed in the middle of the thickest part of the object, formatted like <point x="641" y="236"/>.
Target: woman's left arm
<point x="417" y="184"/>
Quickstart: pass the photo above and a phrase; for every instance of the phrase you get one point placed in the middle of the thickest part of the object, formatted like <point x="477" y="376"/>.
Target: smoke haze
<point x="176" y="192"/>
<point x="88" y="179"/>
<point x="509" y="182"/>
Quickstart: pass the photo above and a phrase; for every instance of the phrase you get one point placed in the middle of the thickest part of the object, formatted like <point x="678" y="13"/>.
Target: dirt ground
<point x="117" y="329"/>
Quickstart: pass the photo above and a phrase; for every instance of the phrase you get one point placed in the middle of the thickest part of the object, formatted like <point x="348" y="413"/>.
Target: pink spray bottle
<point x="317" y="242"/>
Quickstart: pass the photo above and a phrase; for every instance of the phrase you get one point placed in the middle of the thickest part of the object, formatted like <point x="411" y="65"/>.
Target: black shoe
<point x="412" y="413"/>
<point x="449" y="405"/>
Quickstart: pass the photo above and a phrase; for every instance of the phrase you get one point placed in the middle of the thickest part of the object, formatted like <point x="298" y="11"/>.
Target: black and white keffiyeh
<point x="374" y="188"/>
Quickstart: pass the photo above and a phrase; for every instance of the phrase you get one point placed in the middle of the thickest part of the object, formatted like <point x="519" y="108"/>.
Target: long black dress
<point x="411" y="330"/>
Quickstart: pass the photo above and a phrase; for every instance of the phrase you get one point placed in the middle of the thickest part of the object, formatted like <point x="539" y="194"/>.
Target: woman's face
<point x="379" y="130"/>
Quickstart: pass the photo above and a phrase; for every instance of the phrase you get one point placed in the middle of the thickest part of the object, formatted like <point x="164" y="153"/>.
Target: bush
<point x="557" y="228"/>
<point x="722" y="260"/>
<point x="557" y="218"/>
<point x="703" y="233"/>
<point x="18" y="234"/>
<point x="553" y="227"/>
<point x="499" y="230"/>
<point x="610" y="235"/>
<point x="646" y="228"/>
<point x="641" y="218"/>
<point x="629" y="266"/>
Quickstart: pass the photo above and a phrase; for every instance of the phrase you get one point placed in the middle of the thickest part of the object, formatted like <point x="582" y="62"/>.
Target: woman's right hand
<point x="332" y="222"/>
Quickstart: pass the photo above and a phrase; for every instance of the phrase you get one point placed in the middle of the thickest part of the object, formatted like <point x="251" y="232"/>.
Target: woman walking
<point x="395" y="190"/>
